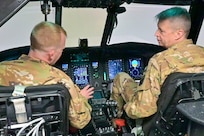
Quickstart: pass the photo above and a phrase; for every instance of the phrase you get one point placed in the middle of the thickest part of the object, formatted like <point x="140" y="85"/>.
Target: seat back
<point x="170" y="120"/>
<point x="48" y="102"/>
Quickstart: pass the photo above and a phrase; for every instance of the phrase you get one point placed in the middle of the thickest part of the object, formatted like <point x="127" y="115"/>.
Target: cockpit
<point x="105" y="37"/>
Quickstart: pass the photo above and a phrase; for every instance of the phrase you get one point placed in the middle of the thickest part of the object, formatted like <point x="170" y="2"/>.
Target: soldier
<point x="47" y="43"/>
<point x="181" y="55"/>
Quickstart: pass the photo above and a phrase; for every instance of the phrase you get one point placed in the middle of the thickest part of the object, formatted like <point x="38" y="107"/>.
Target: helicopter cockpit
<point x="105" y="37"/>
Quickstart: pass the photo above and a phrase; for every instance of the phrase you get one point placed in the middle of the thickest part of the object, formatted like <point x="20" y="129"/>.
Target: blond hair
<point x="46" y="35"/>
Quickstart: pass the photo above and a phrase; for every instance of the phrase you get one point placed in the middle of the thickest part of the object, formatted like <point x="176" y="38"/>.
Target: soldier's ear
<point x="179" y="34"/>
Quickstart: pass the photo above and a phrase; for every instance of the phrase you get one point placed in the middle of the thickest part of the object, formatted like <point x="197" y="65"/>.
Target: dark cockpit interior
<point x="97" y="65"/>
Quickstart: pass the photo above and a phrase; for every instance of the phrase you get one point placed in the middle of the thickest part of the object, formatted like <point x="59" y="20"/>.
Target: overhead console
<point x="89" y="3"/>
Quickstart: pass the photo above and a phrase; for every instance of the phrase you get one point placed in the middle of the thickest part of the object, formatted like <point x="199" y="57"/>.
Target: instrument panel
<point x="97" y="65"/>
<point x="83" y="71"/>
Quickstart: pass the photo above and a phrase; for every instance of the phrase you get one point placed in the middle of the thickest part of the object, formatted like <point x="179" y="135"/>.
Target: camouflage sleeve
<point x="79" y="113"/>
<point x="144" y="101"/>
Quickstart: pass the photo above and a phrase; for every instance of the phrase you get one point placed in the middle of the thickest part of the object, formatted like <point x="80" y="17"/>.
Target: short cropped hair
<point x="176" y="14"/>
<point x="46" y="35"/>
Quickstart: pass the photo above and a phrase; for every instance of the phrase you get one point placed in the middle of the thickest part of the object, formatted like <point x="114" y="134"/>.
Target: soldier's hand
<point x="87" y="91"/>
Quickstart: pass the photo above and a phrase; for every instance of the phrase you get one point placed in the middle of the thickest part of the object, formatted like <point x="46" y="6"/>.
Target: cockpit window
<point x="138" y="23"/>
<point x="84" y="23"/>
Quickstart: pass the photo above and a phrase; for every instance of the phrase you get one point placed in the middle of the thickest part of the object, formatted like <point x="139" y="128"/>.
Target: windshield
<point x="136" y="24"/>
<point x="84" y="23"/>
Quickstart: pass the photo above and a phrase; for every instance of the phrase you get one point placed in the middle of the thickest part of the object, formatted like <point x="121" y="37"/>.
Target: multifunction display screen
<point x="114" y="67"/>
<point x="81" y="76"/>
<point x="135" y="68"/>
<point x="65" y="66"/>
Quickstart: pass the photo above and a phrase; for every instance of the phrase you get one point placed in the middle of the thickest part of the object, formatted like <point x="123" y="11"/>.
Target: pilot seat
<point x="34" y="110"/>
<point x="180" y="107"/>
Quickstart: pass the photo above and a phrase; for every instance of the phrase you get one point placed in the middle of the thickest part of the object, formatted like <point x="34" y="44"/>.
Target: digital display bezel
<point x="114" y="67"/>
<point x="135" y="71"/>
<point x="65" y="66"/>
<point x="81" y="75"/>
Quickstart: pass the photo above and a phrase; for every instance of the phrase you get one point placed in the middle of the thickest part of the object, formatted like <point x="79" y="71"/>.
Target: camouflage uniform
<point x="141" y="101"/>
<point x="27" y="71"/>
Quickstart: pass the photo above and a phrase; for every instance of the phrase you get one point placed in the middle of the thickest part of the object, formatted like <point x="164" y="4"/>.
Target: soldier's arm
<point x="79" y="113"/>
<point x="144" y="102"/>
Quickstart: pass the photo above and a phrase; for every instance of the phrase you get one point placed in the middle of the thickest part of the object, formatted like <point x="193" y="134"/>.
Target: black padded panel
<point x="168" y="121"/>
<point x="8" y="8"/>
<point x="48" y="101"/>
